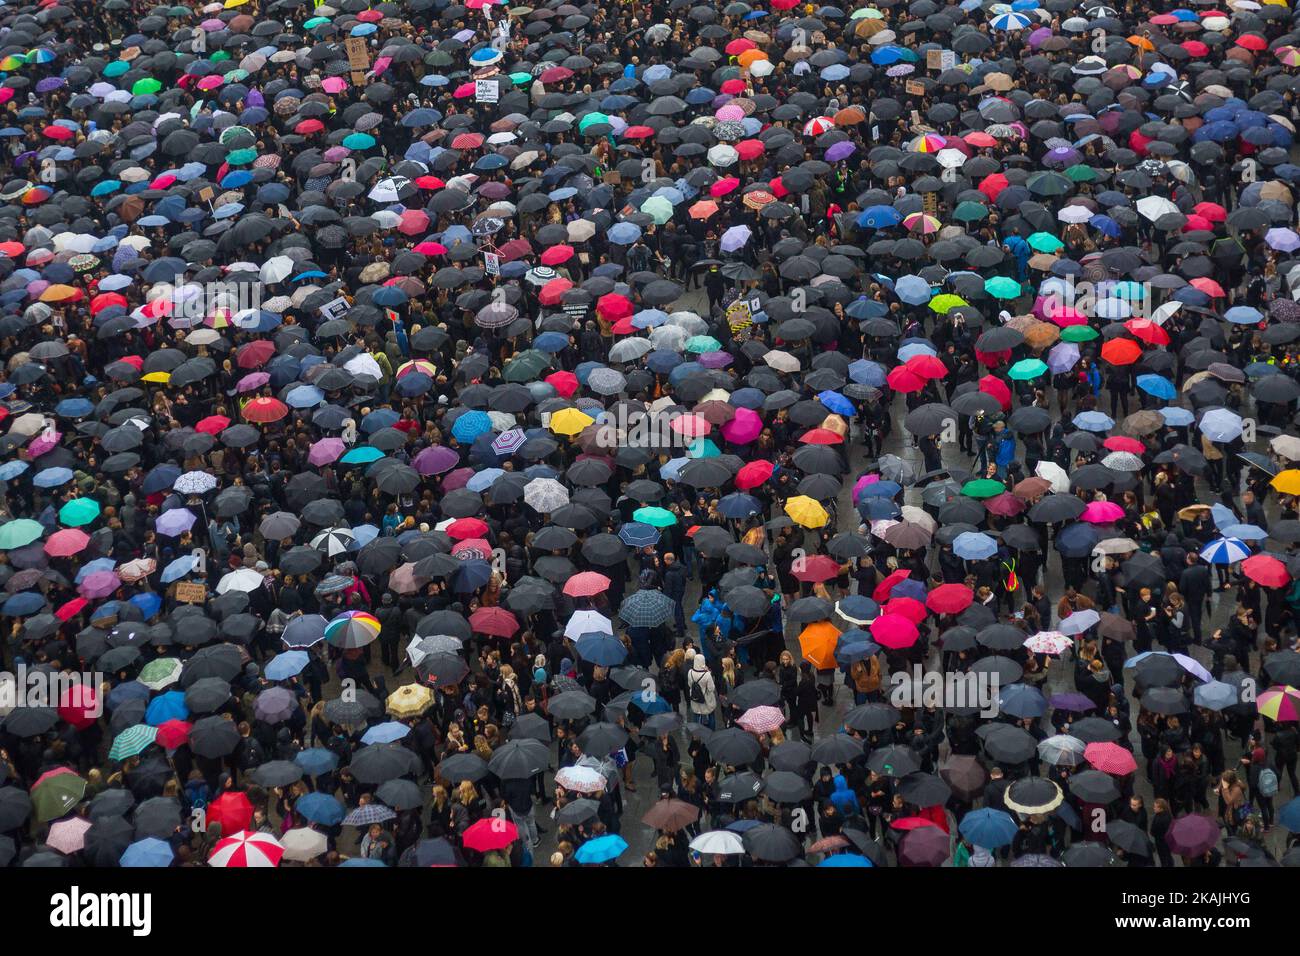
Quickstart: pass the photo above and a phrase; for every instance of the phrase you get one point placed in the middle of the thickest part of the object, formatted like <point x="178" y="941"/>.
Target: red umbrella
<point x="1110" y="758"/>
<point x="495" y="621"/>
<point x="1124" y="443"/>
<point x="1121" y="351"/>
<point x="213" y="424"/>
<point x="232" y="810"/>
<point x="912" y="823"/>
<point x="949" y="599"/>
<point x="927" y="366"/>
<point x="70" y="610"/>
<point x="586" y="584"/>
<point x="553" y="291"/>
<point x="173" y="733"/>
<point x="910" y="608"/>
<point x="79" y="705"/>
<point x="992" y="385"/>
<point x="1148" y="331"/>
<point x="819" y="567"/>
<point x="556" y="255"/>
<point x="903" y="379"/>
<point x="754" y="473"/>
<point x="611" y="307"/>
<point x="462" y="529"/>
<point x="265" y="410"/>
<point x="66" y="543"/>
<point x="255" y="354"/>
<point x="881" y="593"/>
<point x="1266" y="570"/>
<point x="490" y="833"/>
<point x="894" y="631"/>
<point x="821" y="436"/>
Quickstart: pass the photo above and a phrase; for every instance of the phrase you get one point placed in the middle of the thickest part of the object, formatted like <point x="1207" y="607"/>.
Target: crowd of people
<point x="649" y="433"/>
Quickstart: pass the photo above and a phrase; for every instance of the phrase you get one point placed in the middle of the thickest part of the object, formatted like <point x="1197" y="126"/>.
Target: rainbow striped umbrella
<point x="1280" y="703"/>
<point x="352" y="629"/>
<point x="920" y="222"/>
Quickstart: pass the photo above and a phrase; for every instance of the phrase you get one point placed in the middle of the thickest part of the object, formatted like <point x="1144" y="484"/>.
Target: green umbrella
<point x="79" y="511"/>
<point x="241" y="157"/>
<point x="970" y="211"/>
<point x="519" y="79"/>
<point x="942" y="303"/>
<point x="315" y="22"/>
<point x="1045" y="242"/>
<point x="658" y="208"/>
<point x="231" y="133"/>
<point x="1002" y="287"/>
<point x="236" y="76"/>
<point x="703" y="343"/>
<point x="358" y="141"/>
<point x="656" y="517"/>
<point x="219" y="55"/>
<point x="1078" y="333"/>
<point x="160" y="672"/>
<point x="1081" y="173"/>
<point x="146" y="86"/>
<point x="15" y="534"/>
<point x="1026" y="369"/>
<point x="591" y="119"/>
<point x="132" y="741"/>
<point x="56" y="795"/>
<point x="982" y="488"/>
<point x="526" y="366"/>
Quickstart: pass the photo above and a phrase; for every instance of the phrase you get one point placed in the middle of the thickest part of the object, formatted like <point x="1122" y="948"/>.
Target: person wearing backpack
<point x="865" y="676"/>
<point x="701" y="692"/>
<point x="1263" y="783"/>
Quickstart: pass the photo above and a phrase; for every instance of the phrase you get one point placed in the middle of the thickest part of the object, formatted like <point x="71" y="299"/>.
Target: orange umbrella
<point x="750" y="57"/>
<point x="817" y="641"/>
<point x="1121" y="351"/>
<point x="703" y="209"/>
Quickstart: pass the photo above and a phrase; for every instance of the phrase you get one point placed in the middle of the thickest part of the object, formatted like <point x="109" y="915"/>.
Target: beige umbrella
<point x="409" y="700"/>
<point x="303" y="844"/>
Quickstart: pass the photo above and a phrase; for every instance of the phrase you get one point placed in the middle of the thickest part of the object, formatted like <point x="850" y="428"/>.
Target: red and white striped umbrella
<point x="762" y="720"/>
<point x="247" y="849"/>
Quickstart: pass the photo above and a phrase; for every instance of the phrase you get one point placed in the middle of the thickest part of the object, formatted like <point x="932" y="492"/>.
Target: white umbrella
<point x="1078" y="622"/>
<point x="1074" y="213"/>
<point x="782" y="361"/>
<point x="1054" y="473"/>
<point x="545" y="494"/>
<point x="1122" y="461"/>
<point x="629" y="350"/>
<point x="195" y="483"/>
<point x="1115" y="546"/>
<point x="333" y="541"/>
<point x="723" y="155"/>
<point x="1288" y="446"/>
<point x="580" y="779"/>
<point x="389" y="190"/>
<point x="364" y="364"/>
<point x="722" y="842"/>
<point x="303" y="844"/>
<point x="1153" y="207"/>
<point x="241" y="579"/>
<point x="276" y="269"/>
<point x="587" y="622"/>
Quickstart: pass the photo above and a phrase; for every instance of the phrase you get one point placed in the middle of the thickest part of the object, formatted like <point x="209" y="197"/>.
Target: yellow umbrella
<point x="569" y="421"/>
<point x="161" y="378"/>
<point x="59" y="293"/>
<point x="808" y="512"/>
<point x="409" y="700"/>
<point x="1287" y="482"/>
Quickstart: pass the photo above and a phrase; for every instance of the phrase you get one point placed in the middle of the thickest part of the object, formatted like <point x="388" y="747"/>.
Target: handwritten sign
<point x="486" y="91"/>
<point x="914" y="88"/>
<point x="492" y="263"/>
<point x="187" y="592"/>
<point x="358" y="54"/>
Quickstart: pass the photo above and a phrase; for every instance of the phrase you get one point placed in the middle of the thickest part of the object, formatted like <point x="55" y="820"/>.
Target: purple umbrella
<point x="1076" y="703"/>
<point x="1062" y="156"/>
<point x="251" y="381"/>
<point x="325" y="451"/>
<point x="100" y="584"/>
<point x="841" y="150"/>
<point x="174" y="522"/>
<point x="715" y="359"/>
<point x="435" y="459"/>
<point x="457" y="479"/>
<point x="274" y="705"/>
<point x="734" y="239"/>
<point x="1192" y="835"/>
<point x="1063" y="357"/>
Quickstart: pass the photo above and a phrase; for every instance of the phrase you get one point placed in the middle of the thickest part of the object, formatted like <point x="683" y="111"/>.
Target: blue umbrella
<point x="1289" y="815"/>
<point x="880" y="489"/>
<point x="846" y="860"/>
<point x="601" y="850"/>
<point x="385" y="733"/>
<point x="738" y="506"/>
<point x="365" y="860"/>
<point x="1093" y="422"/>
<point x="90" y="567"/>
<point x="21" y="605"/>
<point x="165" y="707"/>
<point x="470" y="425"/>
<point x="602" y="649"/>
<point x="178" y="569"/>
<point x="879" y="217"/>
<point x="551" y="342"/>
<point x="1177" y="417"/>
<point x="623" y="233"/>
<point x="837" y="403"/>
<point x="1157" y="385"/>
<point x="316" y="761"/>
<point x="125" y="692"/>
<point x="866" y="372"/>
<point x="149" y="852"/>
<point x="286" y="665"/>
<point x="913" y="290"/>
<point x="74" y="408"/>
<point x="1215" y="695"/>
<point x="12" y="469"/>
<point x="149" y="603"/>
<point x="322" y="808"/>
<point x="974" y="546"/>
<point x="1077" y="540"/>
<point x="634" y="534"/>
<point x="988" y="828"/>
<point x="1021" y="700"/>
<point x="1225" y="551"/>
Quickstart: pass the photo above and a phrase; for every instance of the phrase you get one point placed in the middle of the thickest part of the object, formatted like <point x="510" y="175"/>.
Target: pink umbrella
<point x="99" y="585"/>
<point x="46" y="441"/>
<point x="68" y="836"/>
<point x="762" y="719"/>
<point x="692" y="426"/>
<point x="251" y="381"/>
<point x="1110" y="758"/>
<point x="861" y="485"/>
<point x="66" y="543"/>
<point x="744" y="428"/>
<point x="894" y="631"/>
<point x="1102" y="512"/>
<point x="413" y="222"/>
<point x="325" y="451"/>
<point x="457" y="479"/>
<point x="334" y="84"/>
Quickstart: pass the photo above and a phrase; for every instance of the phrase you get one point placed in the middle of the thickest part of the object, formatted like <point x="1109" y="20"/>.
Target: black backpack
<point x="697" y="690"/>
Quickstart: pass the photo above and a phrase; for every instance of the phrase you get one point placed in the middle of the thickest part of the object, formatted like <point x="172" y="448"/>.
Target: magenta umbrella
<point x="861" y="484"/>
<point x="44" y="442"/>
<point x="325" y="451"/>
<point x="744" y="428"/>
<point x="435" y="459"/>
<point x="100" y="584"/>
<point x="1102" y="512"/>
<point x="457" y="479"/>
<point x="1192" y="835"/>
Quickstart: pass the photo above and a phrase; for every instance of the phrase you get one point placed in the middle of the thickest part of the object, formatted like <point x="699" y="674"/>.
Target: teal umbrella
<point x="1026" y="369"/>
<point x="703" y="343"/>
<point x="358" y="141"/>
<point x="1002" y="287"/>
<point x="658" y="208"/>
<point x="362" y="455"/>
<point x="79" y="511"/>
<point x="16" y="534"/>
<point x="132" y="741"/>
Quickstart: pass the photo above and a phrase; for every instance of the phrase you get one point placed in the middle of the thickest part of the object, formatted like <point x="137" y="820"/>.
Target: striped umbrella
<point x="245" y="849"/>
<point x="1225" y="551"/>
<point x="1280" y="703"/>
<point x="132" y="741"/>
<point x="352" y="629"/>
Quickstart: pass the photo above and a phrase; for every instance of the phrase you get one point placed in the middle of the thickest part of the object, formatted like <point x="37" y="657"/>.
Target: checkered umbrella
<point x="370" y="813"/>
<point x="762" y="719"/>
<point x="648" y="608"/>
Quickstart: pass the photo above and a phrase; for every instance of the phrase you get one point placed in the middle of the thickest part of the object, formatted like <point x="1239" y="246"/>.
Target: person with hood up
<point x="845" y="800"/>
<point x="701" y="692"/>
